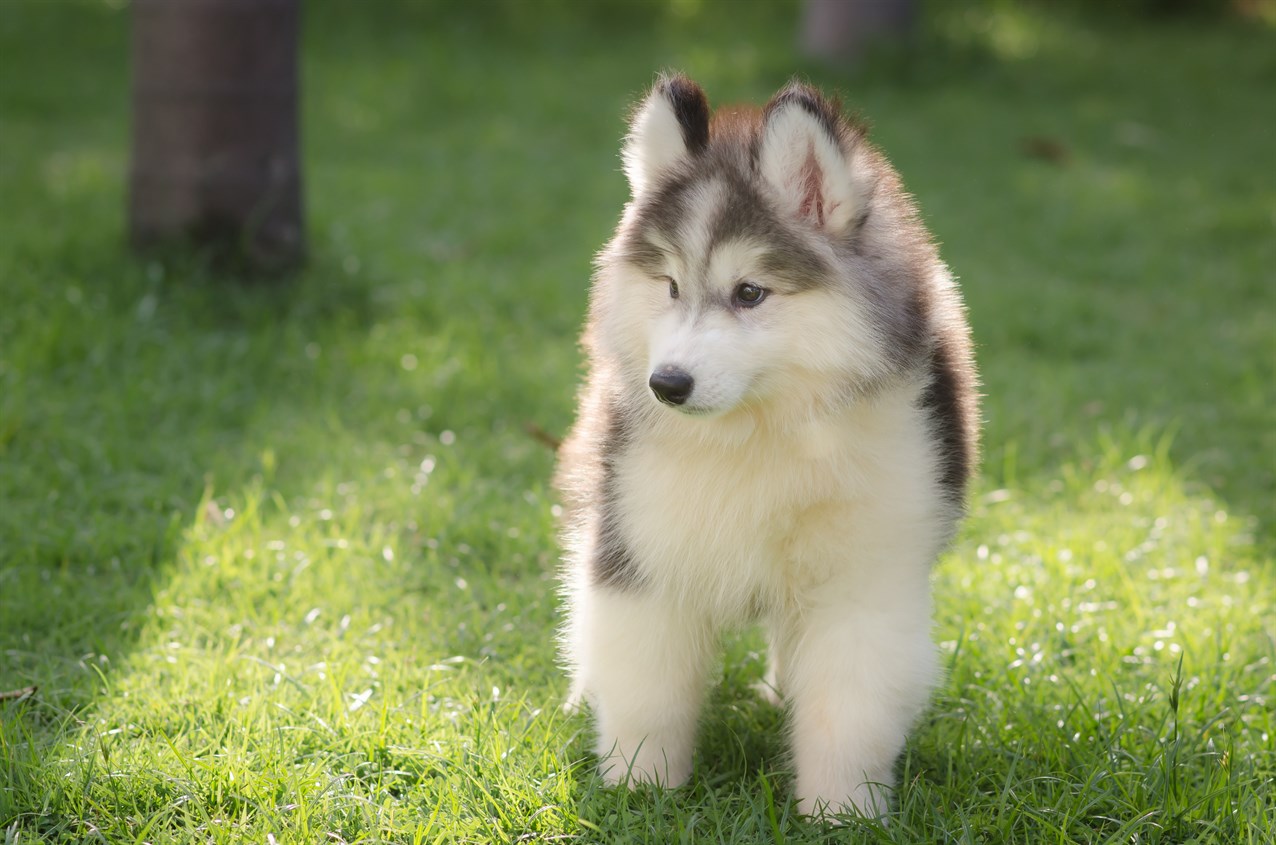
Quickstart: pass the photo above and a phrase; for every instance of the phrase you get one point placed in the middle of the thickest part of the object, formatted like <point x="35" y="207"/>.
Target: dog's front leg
<point x="642" y="662"/>
<point x="857" y="675"/>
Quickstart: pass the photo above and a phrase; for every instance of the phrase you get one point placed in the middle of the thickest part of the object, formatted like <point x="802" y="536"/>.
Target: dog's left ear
<point x="813" y="160"/>
<point x="669" y="127"/>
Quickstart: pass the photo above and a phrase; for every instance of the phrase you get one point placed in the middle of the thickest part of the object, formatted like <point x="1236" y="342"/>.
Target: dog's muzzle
<point x="671" y="385"/>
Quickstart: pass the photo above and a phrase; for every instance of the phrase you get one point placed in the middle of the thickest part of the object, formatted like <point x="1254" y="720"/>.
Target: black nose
<point x="671" y="385"/>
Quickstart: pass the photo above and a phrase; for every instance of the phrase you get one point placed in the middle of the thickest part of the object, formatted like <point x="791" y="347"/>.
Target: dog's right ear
<point x="670" y="126"/>
<point x="813" y="160"/>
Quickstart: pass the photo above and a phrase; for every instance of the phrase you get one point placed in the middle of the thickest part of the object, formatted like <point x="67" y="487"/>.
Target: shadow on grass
<point x="166" y="383"/>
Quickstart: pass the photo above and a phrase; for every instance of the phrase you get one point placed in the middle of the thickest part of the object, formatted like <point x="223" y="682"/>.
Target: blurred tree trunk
<point x="215" y="158"/>
<point x="837" y="30"/>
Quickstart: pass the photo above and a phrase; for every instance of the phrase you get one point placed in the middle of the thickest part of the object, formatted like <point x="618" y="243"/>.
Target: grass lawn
<point x="281" y="561"/>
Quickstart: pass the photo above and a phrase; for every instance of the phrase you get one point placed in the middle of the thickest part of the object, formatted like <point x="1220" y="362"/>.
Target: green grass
<point x="281" y="560"/>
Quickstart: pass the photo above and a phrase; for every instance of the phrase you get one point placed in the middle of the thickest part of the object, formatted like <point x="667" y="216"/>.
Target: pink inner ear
<point x="812" y="204"/>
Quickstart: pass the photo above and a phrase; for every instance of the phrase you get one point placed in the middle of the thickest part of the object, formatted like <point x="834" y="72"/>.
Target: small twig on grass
<point x="15" y="694"/>
<point x="541" y="435"/>
<point x="1047" y="149"/>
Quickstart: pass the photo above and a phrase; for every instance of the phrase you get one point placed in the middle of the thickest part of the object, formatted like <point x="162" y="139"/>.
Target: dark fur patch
<point x="789" y="259"/>
<point x="691" y="108"/>
<point x="949" y="402"/>
<point x="643" y="254"/>
<point x="743" y="215"/>
<point x="826" y="112"/>
<point x="901" y="305"/>
<point x="613" y="564"/>
<point x="746" y="216"/>
<point x="665" y="209"/>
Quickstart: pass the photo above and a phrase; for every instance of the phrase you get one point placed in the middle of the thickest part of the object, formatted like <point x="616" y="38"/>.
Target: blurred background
<point x="1099" y="176"/>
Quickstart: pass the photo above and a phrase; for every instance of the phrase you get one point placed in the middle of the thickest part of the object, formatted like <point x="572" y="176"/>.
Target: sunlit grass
<point x="281" y="560"/>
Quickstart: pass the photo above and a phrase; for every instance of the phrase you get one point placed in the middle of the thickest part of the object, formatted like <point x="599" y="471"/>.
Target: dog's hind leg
<point x="771" y="688"/>
<point x="642" y="662"/>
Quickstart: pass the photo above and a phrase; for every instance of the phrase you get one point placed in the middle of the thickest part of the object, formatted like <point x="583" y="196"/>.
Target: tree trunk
<point x="838" y="30"/>
<point x="215" y="156"/>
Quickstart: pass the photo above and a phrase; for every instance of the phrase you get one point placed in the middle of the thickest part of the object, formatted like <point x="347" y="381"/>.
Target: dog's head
<point x="749" y="264"/>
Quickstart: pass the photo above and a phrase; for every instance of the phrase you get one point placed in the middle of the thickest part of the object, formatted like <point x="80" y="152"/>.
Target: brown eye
<point x="749" y="294"/>
<point x="673" y="288"/>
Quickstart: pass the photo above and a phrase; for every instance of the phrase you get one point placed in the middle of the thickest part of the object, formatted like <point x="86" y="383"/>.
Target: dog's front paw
<point x="648" y="763"/>
<point x="871" y="800"/>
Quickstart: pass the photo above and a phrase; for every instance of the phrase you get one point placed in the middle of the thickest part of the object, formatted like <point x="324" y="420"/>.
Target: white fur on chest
<point x="729" y="523"/>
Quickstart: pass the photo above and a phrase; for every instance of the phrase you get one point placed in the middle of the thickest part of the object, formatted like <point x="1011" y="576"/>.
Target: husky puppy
<point x="777" y="424"/>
